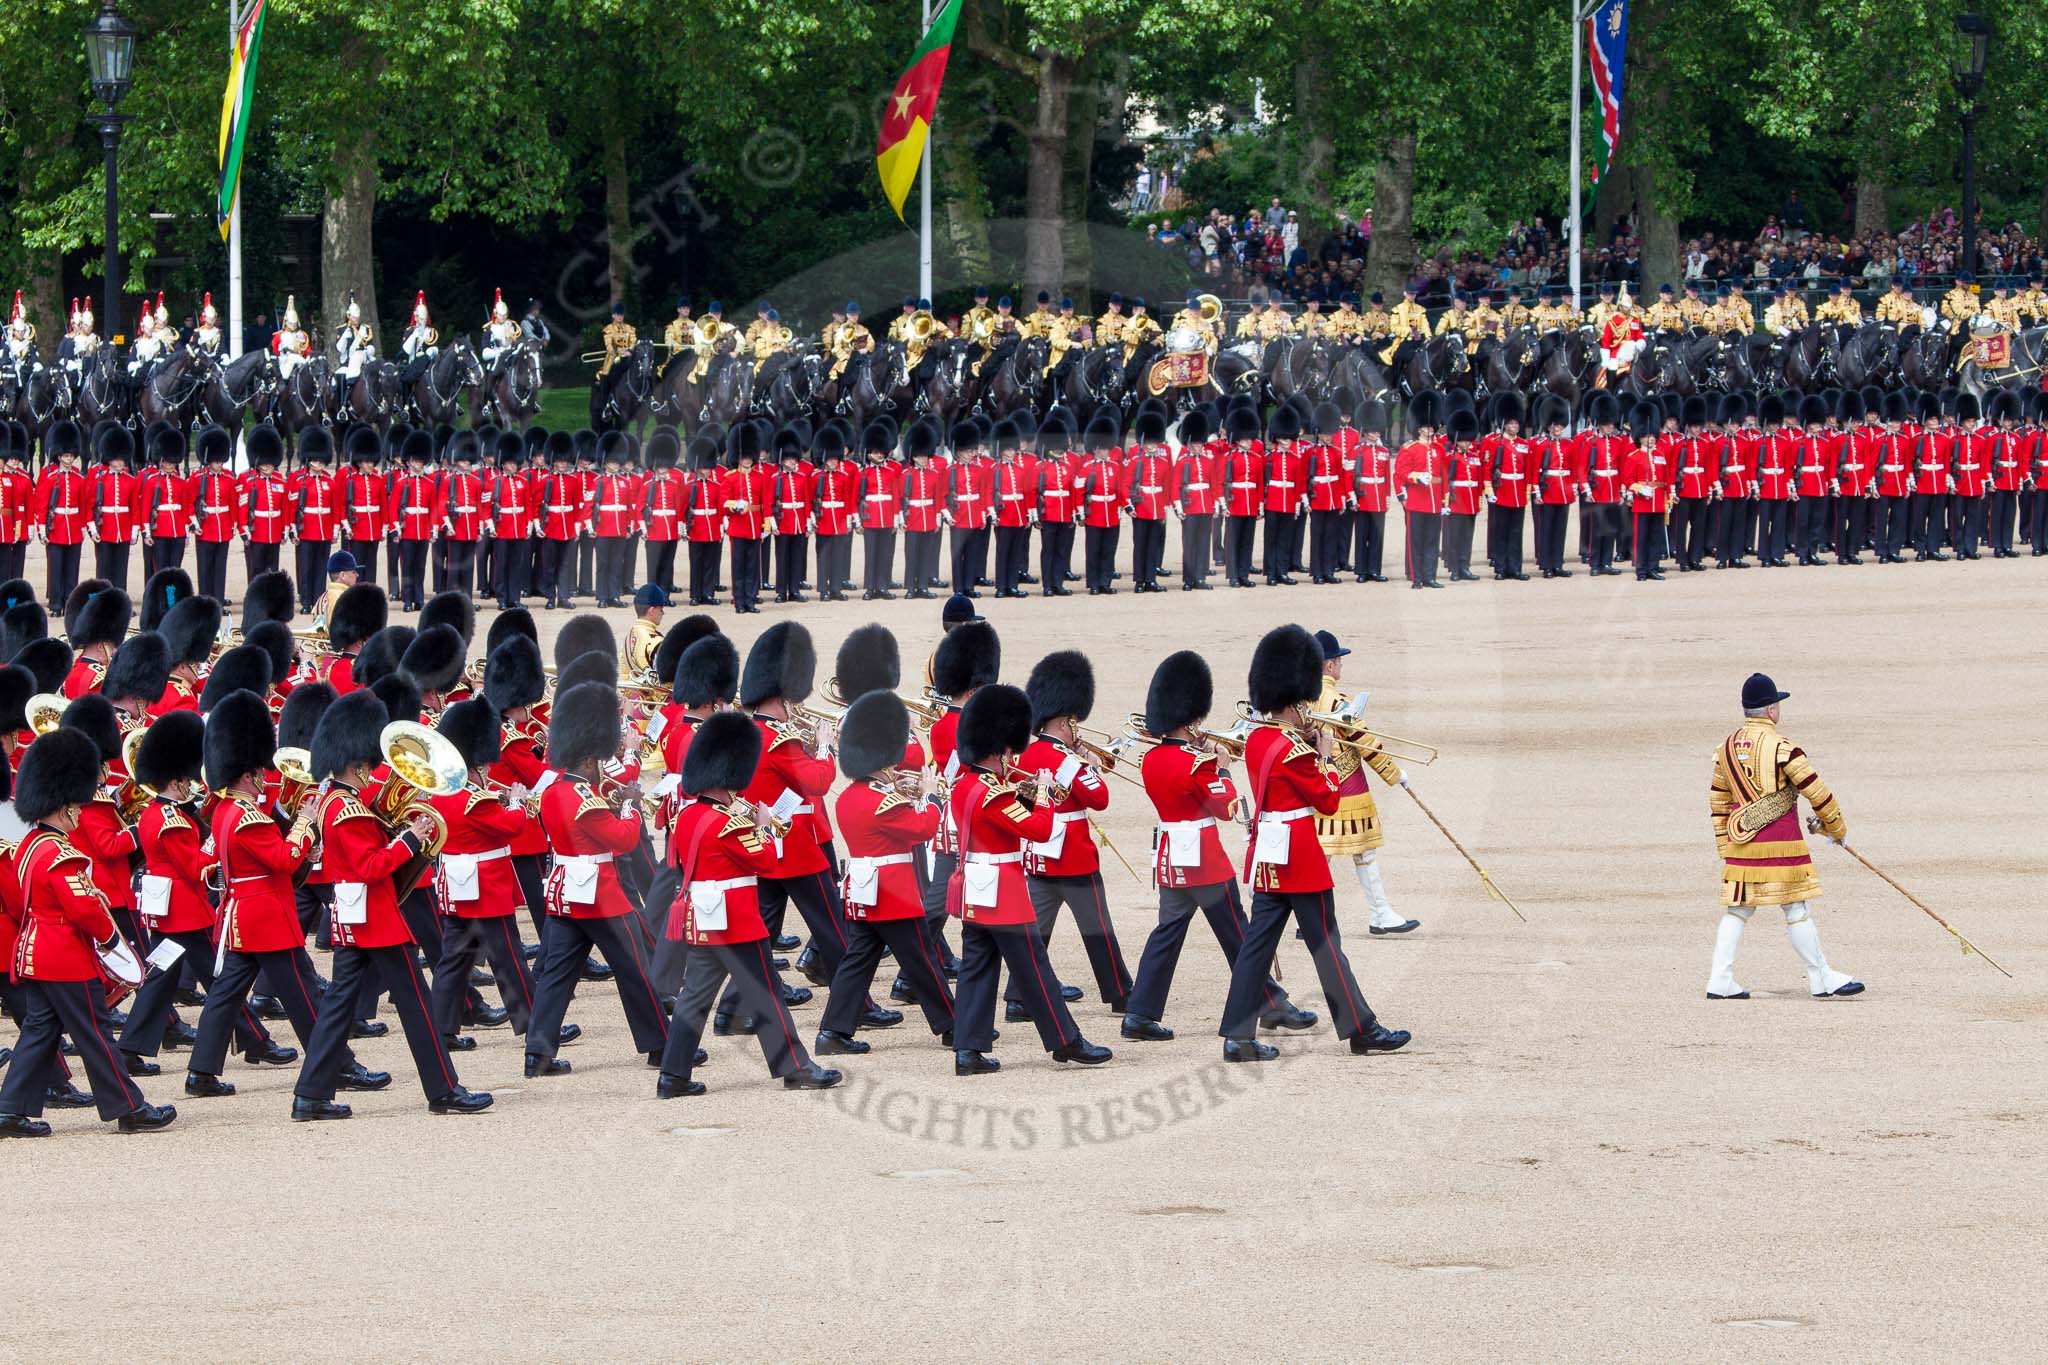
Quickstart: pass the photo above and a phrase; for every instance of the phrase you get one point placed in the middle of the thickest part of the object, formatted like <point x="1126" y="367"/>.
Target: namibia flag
<point x="235" y="106"/>
<point x="907" y="121"/>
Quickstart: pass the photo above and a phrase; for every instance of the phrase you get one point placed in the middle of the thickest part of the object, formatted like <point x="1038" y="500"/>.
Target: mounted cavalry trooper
<point x="20" y="341"/>
<point x="532" y="326"/>
<point x="206" y="336"/>
<point x="292" y="343"/>
<point x="852" y="340"/>
<point x="501" y="333"/>
<point x="351" y="348"/>
<point x="149" y="348"/>
<point x="712" y="335"/>
<point x="419" y="346"/>
<point x="80" y="340"/>
<point x="681" y="332"/>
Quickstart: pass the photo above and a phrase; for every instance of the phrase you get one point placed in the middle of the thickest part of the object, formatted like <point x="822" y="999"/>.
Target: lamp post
<point x="110" y="55"/>
<point x="1969" y="79"/>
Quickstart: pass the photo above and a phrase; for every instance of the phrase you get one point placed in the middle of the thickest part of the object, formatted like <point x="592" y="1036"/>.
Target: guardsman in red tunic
<point x="723" y="846"/>
<point x="116" y="495"/>
<point x="1467" y="493"/>
<point x="835" y="507"/>
<point x="1065" y="868"/>
<point x="189" y="629"/>
<point x="1601" y="451"/>
<point x="704" y="518"/>
<point x="1646" y="473"/>
<point x="512" y="524"/>
<point x="586" y="903"/>
<point x="260" y="934"/>
<point x="1510" y="463"/>
<point x="615" y="519"/>
<point x="1286" y="488"/>
<point x="967" y="507"/>
<point x="1422" y="476"/>
<point x="922" y="496"/>
<point x="561" y="517"/>
<point x="970" y="657"/>
<point x="1814" y="475"/>
<point x="1777" y="480"/>
<point x="1933" y="448"/>
<point x="1894" y="480"/>
<point x="986" y="891"/>
<point x="412" y="511"/>
<point x="1855" y="524"/>
<point x="263" y="503"/>
<point x="216" y="512"/>
<point x="465" y="512"/>
<point x="17" y="496"/>
<point x="63" y="919"/>
<point x="362" y="501"/>
<point x="1290" y="784"/>
<point x="746" y="491"/>
<point x="587" y="446"/>
<point x="886" y="827"/>
<point x="514" y="684"/>
<point x="877" y="498"/>
<point x="178" y="867"/>
<point x="1694" y="486"/>
<point x="371" y="941"/>
<point x="475" y="887"/>
<point x="789" y="511"/>
<point x="1148" y="488"/>
<point x="313" y="512"/>
<point x="661" y="506"/>
<point x="1328" y="494"/>
<point x="1242" y="471"/>
<point x="1011" y="500"/>
<point x="1969" y="476"/>
<point x="1192" y="489"/>
<point x="2008" y="470"/>
<point x="95" y="625"/>
<point x="1371" y="492"/>
<point x="166" y="500"/>
<point x="1056" y="500"/>
<point x="1736" y="477"/>
<point x="63" y="510"/>
<point x="1102" y="495"/>
<point x="2034" y="448"/>
<point x="1188" y="779"/>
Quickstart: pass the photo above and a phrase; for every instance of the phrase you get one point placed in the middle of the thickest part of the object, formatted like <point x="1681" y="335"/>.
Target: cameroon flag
<point x="907" y="121"/>
<point x="234" y="112"/>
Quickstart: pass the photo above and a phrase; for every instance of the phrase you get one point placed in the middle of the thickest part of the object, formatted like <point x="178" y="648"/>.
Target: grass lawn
<point x="564" y="408"/>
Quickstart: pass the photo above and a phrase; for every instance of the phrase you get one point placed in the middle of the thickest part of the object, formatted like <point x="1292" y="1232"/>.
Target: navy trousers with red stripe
<point x="1219" y="904"/>
<point x="51" y="1009"/>
<point x="565" y="945"/>
<point x="150" y="1012"/>
<point x="397" y="970"/>
<point x="289" y="974"/>
<point x="816" y="897"/>
<point x="1315" y="914"/>
<point x="496" y="939"/>
<point x="753" y="981"/>
<point x="984" y="949"/>
<point x="916" y="957"/>
<point x="1091" y="911"/>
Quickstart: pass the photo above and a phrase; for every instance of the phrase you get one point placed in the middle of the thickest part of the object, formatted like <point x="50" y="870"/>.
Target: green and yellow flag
<point x="907" y="121"/>
<point x="234" y="112"/>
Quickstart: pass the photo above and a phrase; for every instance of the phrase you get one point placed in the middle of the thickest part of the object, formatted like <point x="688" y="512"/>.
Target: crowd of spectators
<point x="1268" y="250"/>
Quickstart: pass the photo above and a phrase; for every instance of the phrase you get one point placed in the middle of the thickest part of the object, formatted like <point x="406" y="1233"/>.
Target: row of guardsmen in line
<point x="214" y="826"/>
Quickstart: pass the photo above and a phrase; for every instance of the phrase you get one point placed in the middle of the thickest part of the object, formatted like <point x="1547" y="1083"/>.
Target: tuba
<point x="922" y="326"/>
<point x="423" y="764"/>
<point x="45" y="712"/>
<point x="133" y="795"/>
<point x="1210" y="307"/>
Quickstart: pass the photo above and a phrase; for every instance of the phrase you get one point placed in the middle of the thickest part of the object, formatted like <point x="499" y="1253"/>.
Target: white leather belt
<point x="266" y="514"/>
<point x="858" y="865"/>
<point x="1517" y="478"/>
<point x="912" y="502"/>
<point x="729" y="884"/>
<point x="1244" y="485"/>
<point x="831" y="504"/>
<point x="560" y="507"/>
<point x="1206" y="822"/>
<point x="1281" y="817"/>
<point x="995" y="859"/>
<point x="581" y="859"/>
<point x="611" y="507"/>
<point x="497" y="853"/>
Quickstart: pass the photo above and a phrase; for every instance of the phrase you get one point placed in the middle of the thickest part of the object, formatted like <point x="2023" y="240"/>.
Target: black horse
<point x="1438" y="364"/>
<point x="1297" y="365"/>
<point x="1566" y="363"/>
<point x="170" y="391"/>
<point x="438" y="396"/>
<point x="1867" y="354"/>
<point x="1508" y="364"/>
<point x="1803" y="360"/>
<point x="42" y="400"/>
<point x="376" y="397"/>
<point x="1358" y="369"/>
<point x="510" y="394"/>
<point x="233" y="388"/>
<point x="1094" y="381"/>
<point x="619" y="395"/>
<point x="102" y="392"/>
<point x="1015" y="382"/>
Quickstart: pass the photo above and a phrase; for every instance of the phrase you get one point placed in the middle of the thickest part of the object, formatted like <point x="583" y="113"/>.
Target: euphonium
<point x="45" y="711"/>
<point x="423" y="764"/>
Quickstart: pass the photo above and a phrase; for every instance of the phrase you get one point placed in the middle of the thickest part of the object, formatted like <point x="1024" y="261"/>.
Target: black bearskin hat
<point x="98" y="617"/>
<point x="301" y="715"/>
<point x="93" y="716"/>
<point x="450" y="609"/>
<point x="50" y="661"/>
<point x="872" y="735"/>
<point x="400" y="697"/>
<point x="275" y="639"/>
<point x="1644" y="419"/>
<point x="512" y="621"/>
<point x="1770" y="409"/>
<point x="165" y="589"/>
<point x="174" y="746"/>
<point x="269" y="598"/>
<point x="141" y="667"/>
<point x="782" y="663"/>
<point x="239" y="739"/>
<point x="580" y="635"/>
<point x="669" y="652"/>
<point x="474" y="729"/>
<point x="708" y="672"/>
<point x="996" y="720"/>
<point x="265" y="446"/>
<point x="1181" y="693"/>
<point x="584" y="724"/>
<point x="722" y="755"/>
<point x="434" y="660"/>
<point x="245" y="668"/>
<point x="1425" y="410"/>
<point x="590" y="666"/>
<point x="1061" y="684"/>
<point x="970" y="656"/>
<point x="17" y="685"/>
<point x="358" y="613"/>
<point x="60" y="769"/>
<point x="347" y="733"/>
<point x="1287" y="668"/>
<point x="379" y="656"/>
<point x="513" y="677"/>
<point x="20" y="626"/>
<point x="16" y="591"/>
<point x="868" y="662"/>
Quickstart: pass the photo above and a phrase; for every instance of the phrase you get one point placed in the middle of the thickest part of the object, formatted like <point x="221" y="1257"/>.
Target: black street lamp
<point x="110" y="54"/>
<point x="1969" y="79"/>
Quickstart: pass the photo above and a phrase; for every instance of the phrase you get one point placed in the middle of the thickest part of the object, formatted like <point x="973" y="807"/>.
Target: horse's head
<point x="468" y="369"/>
<point x="643" y="364"/>
<point x="1455" y="360"/>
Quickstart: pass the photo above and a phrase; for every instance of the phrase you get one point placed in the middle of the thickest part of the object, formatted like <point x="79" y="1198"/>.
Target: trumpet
<point x="313" y="642"/>
<point x="776" y="825"/>
<point x="1026" y="785"/>
<point x="423" y="764"/>
<point x="295" y="768"/>
<point x="133" y="795"/>
<point x="1101" y="753"/>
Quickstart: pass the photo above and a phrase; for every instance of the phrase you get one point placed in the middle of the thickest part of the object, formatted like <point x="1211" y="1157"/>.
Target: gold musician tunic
<point x="1760" y="778"/>
<point x="643" y="638"/>
<point x="1899" y="309"/>
<point x="1355" y="827"/>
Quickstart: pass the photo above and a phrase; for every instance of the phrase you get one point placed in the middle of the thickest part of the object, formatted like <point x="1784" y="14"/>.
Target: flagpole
<point x="924" y="178"/>
<point x="234" y="217"/>
<point x="1577" y="158"/>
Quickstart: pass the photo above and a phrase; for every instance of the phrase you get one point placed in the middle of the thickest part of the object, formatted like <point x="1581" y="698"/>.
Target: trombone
<point x="927" y="710"/>
<point x="1229" y="742"/>
<point x="1352" y="735"/>
<point x="1102" y="749"/>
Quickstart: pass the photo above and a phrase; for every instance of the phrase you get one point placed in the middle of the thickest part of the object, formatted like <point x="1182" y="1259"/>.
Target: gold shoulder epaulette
<point x="1296" y="749"/>
<point x="174" y="819"/>
<point x="891" y="798"/>
<point x="249" y="816"/>
<point x="592" y="801"/>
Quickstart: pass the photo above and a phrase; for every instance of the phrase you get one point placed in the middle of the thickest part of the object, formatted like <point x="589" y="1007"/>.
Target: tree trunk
<point x="1084" y="121"/>
<point x="1873" y="212"/>
<point x="1391" y="263"/>
<point x="618" y="214"/>
<point x="45" y="294"/>
<point x="1317" y="149"/>
<point x="347" y="259"/>
<point x="962" y="200"/>
<point x="1045" y="176"/>
<point x="1661" y="260"/>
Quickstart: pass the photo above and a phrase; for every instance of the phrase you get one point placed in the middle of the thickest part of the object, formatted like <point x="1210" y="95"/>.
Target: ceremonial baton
<point x="1491" y="889"/>
<point x="1813" y="827"/>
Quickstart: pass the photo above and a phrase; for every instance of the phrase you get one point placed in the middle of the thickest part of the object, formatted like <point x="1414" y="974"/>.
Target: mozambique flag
<point x="907" y="121"/>
<point x="234" y="112"/>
